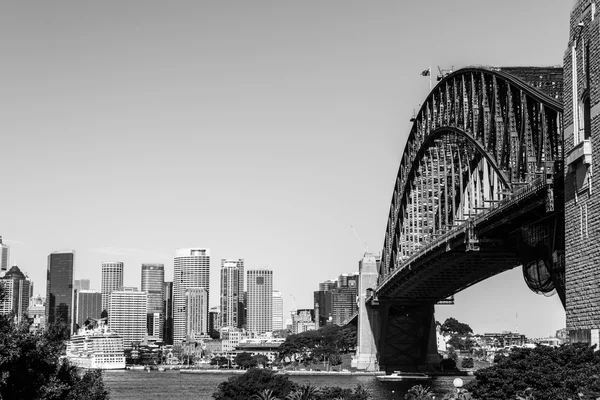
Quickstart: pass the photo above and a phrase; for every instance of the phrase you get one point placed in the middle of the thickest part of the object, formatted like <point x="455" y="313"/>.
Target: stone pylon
<point x="368" y="317"/>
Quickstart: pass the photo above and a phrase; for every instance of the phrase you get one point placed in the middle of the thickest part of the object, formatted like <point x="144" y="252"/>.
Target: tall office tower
<point x="196" y="305"/>
<point x="277" y="310"/>
<point x="153" y="283"/>
<point x="260" y="300"/>
<point x="60" y="296"/>
<point x="168" y="313"/>
<point x="191" y="270"/>
<point x="127" y="311"/>
<point x="81" y="284"/>
<point x="16" y="290"/>
<point x="343" y="302"/>
<point x="4" y="259"/>
<point x="327" y="285"/>
<point x="89" y="305"/>
<point x="214" y="322"/>
<point x="232" y="289"/>
<point x="112" y="279"/>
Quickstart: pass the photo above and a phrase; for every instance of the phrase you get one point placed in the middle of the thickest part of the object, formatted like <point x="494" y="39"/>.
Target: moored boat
<point x="403" y="376"/>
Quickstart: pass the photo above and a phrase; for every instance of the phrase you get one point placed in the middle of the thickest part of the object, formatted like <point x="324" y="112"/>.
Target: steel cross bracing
<point x="481" y="141"/>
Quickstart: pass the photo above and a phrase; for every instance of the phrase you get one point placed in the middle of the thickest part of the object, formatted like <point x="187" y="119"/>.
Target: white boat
<point x="403" y="376"/>
<point x="97" y="348"/>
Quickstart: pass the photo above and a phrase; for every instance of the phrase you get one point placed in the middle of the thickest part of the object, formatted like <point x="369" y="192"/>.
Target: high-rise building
<point x="232" y="289"/>
<point x="168" y="313"/>
<point x="260" y="300"/>
<point x="37" y="312"/>
<point x="214" y="322"/>
<point x="127" y="314"/>
<point x="81" y="284"/>
<point x="196" y="305"/>
<point x="112" y="279"/>
<point x="302" y="321"/>
<point x="191" y="270"/>
<point x="336" y="300"/>
<point x="60" y="296"/>
<point x="16" y="290"/>
<point x="4" y="259"/>
<point x="89" y="305"/>
<point x="277" y="310"/>
<point x="153" y="283"/>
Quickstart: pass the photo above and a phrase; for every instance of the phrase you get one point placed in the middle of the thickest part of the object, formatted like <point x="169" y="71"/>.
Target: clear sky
<point x="259" y="129"/>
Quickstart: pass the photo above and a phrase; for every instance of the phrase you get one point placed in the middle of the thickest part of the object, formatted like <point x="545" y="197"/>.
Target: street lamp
<point x="458" y="383"/>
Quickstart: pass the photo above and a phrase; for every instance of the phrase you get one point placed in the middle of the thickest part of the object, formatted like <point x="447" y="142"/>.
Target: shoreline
<point x="282" y="372"/>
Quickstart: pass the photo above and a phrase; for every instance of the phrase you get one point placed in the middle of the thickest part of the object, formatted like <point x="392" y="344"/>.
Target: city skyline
<point x="302" y="110"/>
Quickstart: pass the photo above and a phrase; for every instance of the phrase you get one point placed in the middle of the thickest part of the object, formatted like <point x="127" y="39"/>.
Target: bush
<point x="543" y="373"/>
<point x="467" y="362"/>
<point x="253" y="382"/>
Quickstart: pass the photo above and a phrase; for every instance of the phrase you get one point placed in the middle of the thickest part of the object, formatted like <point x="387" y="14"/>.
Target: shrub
<point x="467" y="362"/>
<point x="448" y="364"/>
<point x="253" y="382"/>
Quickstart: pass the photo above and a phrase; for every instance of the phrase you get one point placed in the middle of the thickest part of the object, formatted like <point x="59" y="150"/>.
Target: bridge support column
<point x="368" y="317"/>
<point x="407" y="341"/>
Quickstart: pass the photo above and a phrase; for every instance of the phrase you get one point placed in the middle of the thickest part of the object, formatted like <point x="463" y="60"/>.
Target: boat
<point x="403" y="376"/>
<point x="96" y="348"/>
<point x="161" y="369"/>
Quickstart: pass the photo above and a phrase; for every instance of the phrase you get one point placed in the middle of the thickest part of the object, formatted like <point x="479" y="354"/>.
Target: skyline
<point x="262" y="131"/>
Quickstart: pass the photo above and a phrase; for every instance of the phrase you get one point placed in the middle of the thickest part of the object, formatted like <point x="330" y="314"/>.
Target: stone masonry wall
<point x="582" y="189"/>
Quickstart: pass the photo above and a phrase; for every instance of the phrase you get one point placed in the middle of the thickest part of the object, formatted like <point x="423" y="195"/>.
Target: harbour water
<point x="156" y="385"/>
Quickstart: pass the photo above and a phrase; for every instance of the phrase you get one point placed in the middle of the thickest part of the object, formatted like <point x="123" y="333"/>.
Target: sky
<point x="261" y="130"/>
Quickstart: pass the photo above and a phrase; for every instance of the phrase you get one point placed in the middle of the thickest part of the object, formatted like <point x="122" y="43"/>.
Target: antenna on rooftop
<point x="358" y="237"/>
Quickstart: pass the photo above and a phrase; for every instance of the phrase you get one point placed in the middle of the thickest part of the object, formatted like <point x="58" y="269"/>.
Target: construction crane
<point x="360" y="240"/>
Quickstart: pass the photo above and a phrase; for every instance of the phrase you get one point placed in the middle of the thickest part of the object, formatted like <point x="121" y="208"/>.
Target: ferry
<point x="403" y="376"/>
<point x="96" y="348"/>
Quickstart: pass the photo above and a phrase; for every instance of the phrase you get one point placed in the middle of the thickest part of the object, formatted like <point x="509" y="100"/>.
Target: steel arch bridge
<point x="478" y="192"/>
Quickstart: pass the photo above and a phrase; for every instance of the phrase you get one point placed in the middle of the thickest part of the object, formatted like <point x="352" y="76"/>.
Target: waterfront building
<point x="4" y="256"/>
<point x="260" y="300"/>
<point x="153" y="283"/>
<point x="81" y="284"/>
<point x="89" y="305"/>
<point x="127" y="314"/>
<point x="191" y="270"/>
<point x="277" y="310"/>
<point x="168" y="313"/>
<point x="16" y="290"/>
<point x="232" y="289"/>
<point x="196" y="305"/>
<point x="37" y="313"/>
<point x="112" y="279"/>
<point x="60" y="296"/>
<point x="303" y="320"/>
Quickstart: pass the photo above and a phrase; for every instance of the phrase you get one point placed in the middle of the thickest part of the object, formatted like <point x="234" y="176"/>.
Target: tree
<point x="452" y="327"/>
<point x="219" y="361"/>
<point x="244" y="360"/>
<point x="543" y="372"/>
<point x="260" y="359"/>
<point x="253" y="382"/>
<point x="32" y="369"/>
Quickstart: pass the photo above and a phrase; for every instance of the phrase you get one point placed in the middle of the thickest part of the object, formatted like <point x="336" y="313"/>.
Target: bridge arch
<point x="480" y="136"/>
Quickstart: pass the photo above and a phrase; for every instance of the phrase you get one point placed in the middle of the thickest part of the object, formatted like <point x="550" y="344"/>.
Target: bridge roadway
<point x="485" y="245"/>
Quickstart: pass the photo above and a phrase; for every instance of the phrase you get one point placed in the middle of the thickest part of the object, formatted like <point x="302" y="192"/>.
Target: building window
<point x="585" y="118"/>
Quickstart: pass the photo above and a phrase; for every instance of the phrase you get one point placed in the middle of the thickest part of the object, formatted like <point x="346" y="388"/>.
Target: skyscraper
<point x="81" y="284"/>
<point x="89" y="305"/>
<point x="59" y="288"/>
<point x="277" y="310"/>
<point x="196" y="304"/>
<point x="16" y="290"/>
<point x="232" y="289"/>
<point x="4" y="259"/>
<point x="153" y="283"/>
<point x="127" y="314"/>
<point x="112" y="279"/>
<point x="168" y="313"/>
<point x="191" y="270"/>
<point x="260" y="300"/>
